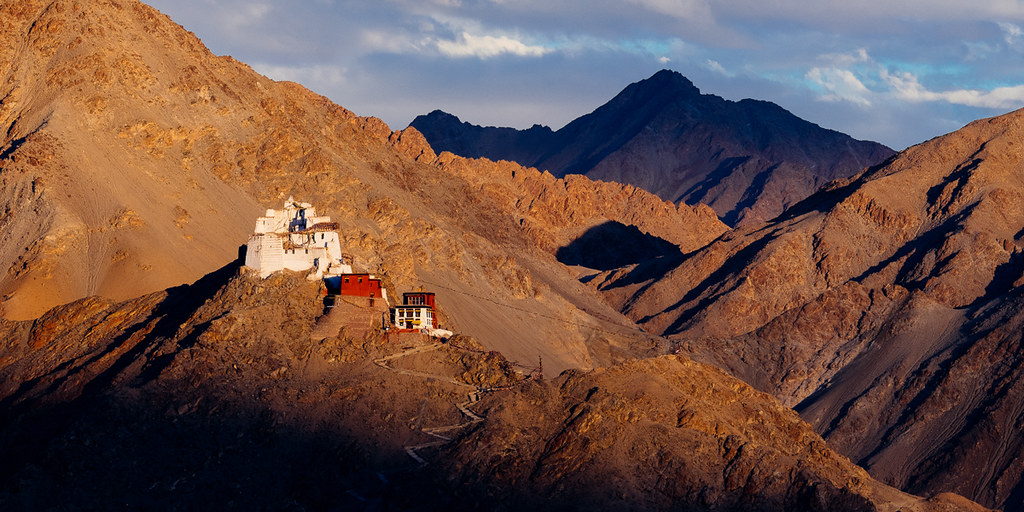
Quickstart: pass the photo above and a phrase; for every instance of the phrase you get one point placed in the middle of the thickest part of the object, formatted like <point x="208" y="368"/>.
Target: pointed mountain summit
<point x="886" y="308"/>
<point x="133" y="161"/>
<point x="748" y="160"/>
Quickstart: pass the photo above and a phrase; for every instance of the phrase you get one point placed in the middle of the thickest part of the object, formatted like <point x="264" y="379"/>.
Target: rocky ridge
<point x="748" y="160"/>
<point x="108" y="109"/>
<point x="133" y="160"/>
<point x="882" y="308"/>
<point x="161" y="401"/>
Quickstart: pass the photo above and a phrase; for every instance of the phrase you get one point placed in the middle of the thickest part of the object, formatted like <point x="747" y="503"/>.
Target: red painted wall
<point x="426" y="298"/>
<point x="359" y="285"/>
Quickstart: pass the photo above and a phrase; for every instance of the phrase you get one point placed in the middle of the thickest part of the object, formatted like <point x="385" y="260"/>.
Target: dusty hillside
<point x="660" y="434"/>
<point x="212" y="395"/>
<point x="748" y="160"/>
<point x="133" y="159"/>
<point x="885" y="307"/>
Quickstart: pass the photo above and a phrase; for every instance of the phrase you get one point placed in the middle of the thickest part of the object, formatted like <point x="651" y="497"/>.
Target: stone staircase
<point x="357" y="315"/>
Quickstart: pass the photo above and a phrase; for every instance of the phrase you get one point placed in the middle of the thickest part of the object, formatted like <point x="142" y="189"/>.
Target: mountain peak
<point x="820" y="306"/>
<point x="442" y="116"/>
<point x="662" y="88"/>
<point x="667" y="78"/>
<point x="748" y="160"/>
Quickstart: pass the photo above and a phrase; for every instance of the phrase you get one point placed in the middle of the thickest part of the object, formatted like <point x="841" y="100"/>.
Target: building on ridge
<point x="416" y="313"/>
<point x="295" y="238"/>
<point x="366" y="286"/>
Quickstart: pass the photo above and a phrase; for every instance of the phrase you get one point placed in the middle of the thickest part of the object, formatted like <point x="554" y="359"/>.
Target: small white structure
<point x="416" y="313"/>
<point x="440" y="333"/>
<point x="294" y="238"/>
<point x="414" y="318"/>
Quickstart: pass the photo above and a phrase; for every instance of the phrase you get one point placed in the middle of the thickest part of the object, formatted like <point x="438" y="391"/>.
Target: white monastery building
<point x="294" y="238"/>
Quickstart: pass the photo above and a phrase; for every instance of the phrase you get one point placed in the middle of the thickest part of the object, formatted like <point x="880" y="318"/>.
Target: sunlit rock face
<point x="884" y="308"/>
<point x="214" y="394"/>
<point x="140" y="365"/>
<point x="134" y="160"/>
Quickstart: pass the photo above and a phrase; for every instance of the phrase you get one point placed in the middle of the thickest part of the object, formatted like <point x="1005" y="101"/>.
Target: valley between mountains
<point x="838" y="328"/>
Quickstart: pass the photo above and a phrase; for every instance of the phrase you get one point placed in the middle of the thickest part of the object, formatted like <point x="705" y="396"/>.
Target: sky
<point x="898" y="73"/>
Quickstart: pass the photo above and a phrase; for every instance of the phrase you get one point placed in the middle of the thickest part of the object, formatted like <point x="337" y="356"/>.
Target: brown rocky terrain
<point x="211" y="395"/>
<point x="748" y="160"/>
<point x="132" y="159"/>
<point x="885" y="308"/>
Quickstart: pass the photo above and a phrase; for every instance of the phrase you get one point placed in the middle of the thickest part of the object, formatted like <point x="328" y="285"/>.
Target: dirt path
<point x="463" y="407"/>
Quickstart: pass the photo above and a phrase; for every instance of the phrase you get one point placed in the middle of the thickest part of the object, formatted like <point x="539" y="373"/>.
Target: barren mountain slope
<point x="213" y="396"/>
<point x="748" y="160"/>
<point x="132" y="159"/>
<point x="883" y="306"/>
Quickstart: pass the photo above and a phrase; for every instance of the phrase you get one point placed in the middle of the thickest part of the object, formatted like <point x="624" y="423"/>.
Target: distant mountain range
<point x="886" y="308"/>
<point x="748" y="160"/>
<point x="133" y="160"/>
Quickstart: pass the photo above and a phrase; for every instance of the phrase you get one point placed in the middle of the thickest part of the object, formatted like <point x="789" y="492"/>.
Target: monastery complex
<point x="295" y="238"/>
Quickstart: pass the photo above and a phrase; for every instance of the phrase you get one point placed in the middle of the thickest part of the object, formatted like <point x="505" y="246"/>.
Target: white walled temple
<point x="294" y="238"/>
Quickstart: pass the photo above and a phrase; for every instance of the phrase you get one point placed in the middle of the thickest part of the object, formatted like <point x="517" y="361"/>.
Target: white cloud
<point x="483" y="47"/>
<point x="246" y="15"/>
<point x="998" y="98"/>
<point x="841" y="60"/>
<point x="377" y="40"/>
<point x="1012" y="32"/>
<point x="1012" y="35"/>
<point x="907" y="87"/>
<point x="717" y="67"/>
<point x="664" y="60"/>
<point x="848" y="85"/>
<point x="841" y="85"/>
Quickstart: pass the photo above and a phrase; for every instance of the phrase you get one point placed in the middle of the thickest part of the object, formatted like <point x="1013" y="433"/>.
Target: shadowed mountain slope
<point x="132" y="159"/>
<point x="886" y="307"/>
<point x="212" y="395"/>
<point x="748" y="160"/>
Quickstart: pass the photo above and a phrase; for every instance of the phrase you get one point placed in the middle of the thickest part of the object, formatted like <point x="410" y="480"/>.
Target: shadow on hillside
<point x="178" y="424"/>
<point x="832" y="194"/>
<point x="152" y="420"/>
<point x="222" y="454"/>
<point x="160" y="324"/>
<point x="174" y="450"/>
<point x="614" y="245"/>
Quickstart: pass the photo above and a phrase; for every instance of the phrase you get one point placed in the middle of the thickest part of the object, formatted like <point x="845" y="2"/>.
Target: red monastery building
<point x="359" y="285"/>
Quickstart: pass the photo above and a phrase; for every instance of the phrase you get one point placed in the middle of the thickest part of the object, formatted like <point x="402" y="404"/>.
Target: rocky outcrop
<point x="748" y="160"/>
<point x="873" y="307"/>
<point x="162" y="402"/>
<point x="133" y="160"/>
<point x="661" y="432"/>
